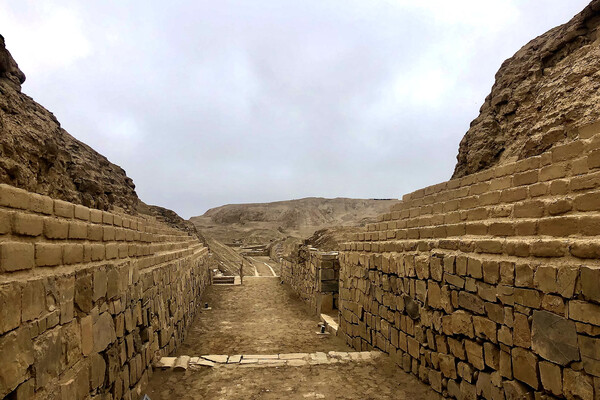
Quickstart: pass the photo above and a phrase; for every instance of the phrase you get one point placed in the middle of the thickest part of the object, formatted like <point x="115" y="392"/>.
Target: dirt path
<point x="261" y="316"/>
<point x="264" y="317"/>
<point x="357" y="381"/>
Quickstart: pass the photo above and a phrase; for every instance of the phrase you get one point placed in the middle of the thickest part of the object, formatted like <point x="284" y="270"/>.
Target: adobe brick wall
<point x="314" y="277"/>
<point x="88" y="298"/>
<point x="487" y="285"/>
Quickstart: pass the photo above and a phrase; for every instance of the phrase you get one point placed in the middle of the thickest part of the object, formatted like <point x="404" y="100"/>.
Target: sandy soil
<point x="261" y="316"/>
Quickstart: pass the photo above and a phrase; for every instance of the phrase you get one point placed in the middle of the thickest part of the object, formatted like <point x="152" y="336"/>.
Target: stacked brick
<point x="487" y="286"/>
<point x="88" y="298"/>
<point x="314" y="277"/>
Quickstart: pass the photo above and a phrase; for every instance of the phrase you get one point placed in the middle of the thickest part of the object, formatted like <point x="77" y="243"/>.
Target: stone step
<point x="265" y="360"/>
<point x="218" y="280"/>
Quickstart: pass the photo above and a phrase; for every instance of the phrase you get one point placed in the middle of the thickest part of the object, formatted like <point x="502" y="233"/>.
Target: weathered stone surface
<point x="33" y="300"/>
<point x="525" y="367"/>
<point x="16" y="347"/>
<point x="577" y="385"/>
<point x="590" y="354"/>
<point x="98" y="370"/>
<point x="47" y="350"/>
<point x="554" y="338"/>
<point x="10" y="307"/>
<point x="104" y="332"/>
<point x="551" y="376"/>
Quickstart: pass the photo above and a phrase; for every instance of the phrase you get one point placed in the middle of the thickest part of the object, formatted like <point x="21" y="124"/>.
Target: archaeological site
<point x="486" y="286"/>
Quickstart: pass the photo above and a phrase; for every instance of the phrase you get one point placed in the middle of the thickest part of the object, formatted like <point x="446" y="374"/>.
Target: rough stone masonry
<point x="89" y="298"/>
<point x="488" y="286"/>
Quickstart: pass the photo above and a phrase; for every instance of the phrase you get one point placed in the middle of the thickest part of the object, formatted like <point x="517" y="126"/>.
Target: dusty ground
<point x="264" y="317"/>
<point x="375" y="380"/>
<point x="261" y="317"/>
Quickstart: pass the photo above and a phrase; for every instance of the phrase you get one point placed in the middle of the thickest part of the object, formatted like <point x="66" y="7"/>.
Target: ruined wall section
<point x="488" y="285"/>
<point x="88" y="298"/>
<point x="314" y="277"/>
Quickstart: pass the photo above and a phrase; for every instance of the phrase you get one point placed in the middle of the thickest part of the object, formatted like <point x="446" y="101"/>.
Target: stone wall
<point x="88" y="298"/>
<point x="488" y="285"/>
<point x="314" y="277"/>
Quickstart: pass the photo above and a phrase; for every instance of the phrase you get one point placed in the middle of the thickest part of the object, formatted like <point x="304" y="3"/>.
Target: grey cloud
<point x="213" y="102"/>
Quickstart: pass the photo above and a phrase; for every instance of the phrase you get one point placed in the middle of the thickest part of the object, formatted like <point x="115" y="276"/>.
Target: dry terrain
<point x="262" y="223"/>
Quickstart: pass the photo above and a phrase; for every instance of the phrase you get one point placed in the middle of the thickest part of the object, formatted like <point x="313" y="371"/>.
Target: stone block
<point x="100" y="284"/>
<point x="10" y="307"/>
<point x="48" y="254"/>
<point x="484" y="328"/>
<point x="551" y="377"/>
<point x="590" y="282"/>
<point x="545" y="279"/>
<point x="98" y="370"/>
<point x="458" y="323"/>
<point x="104" y="332"/>
<point x="15" y="256"/>
<point x="514" y="390"/>
<point x="525" y="367"/>
<point x="33" y="301"/>
<point x="577" y="385"/>
<point x="491" y="355"/>
<point x="83" y="291"/>
<point x="47" y="354"/>
<point x="584" y="311"/>
<point x="82" y="213"/>
<point x="554" y="338"/>
<point x="78" y="230"/>
<point x="521" y="331"/>
<point x="590" y="354"/>
<point x="471" y="302"/>
<point x="17" y="352"/>
<point x="474" y="354"/>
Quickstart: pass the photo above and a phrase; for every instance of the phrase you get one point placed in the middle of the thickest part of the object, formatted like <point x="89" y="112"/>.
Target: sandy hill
<point x="260" y="223"/>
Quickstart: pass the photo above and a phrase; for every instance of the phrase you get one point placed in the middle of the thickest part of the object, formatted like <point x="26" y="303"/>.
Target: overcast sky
<point x="206" y="103"/>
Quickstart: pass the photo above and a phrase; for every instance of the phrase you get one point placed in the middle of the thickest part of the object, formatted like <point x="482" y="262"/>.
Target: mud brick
<point x="593" y="159"/>
<point x="501" y="229"/>
<point x="55" y="228"/>
<point x="514" y="194"/>
<point x="538" y="189"/>
<point x="490" y="246"/>
<point x="587" y="202"/>
<point x="560" y="206"/>
<point x="27" y="224"/>
<point x="107" y="218"/>
<point x="525" y="178"/>
<point x="96" y="216"/>
<point x="529" y="209"/>
<point x="72" y="253"/>
<point x="13" y="198"/>
<point x="549" y="248"/>
<point x="554" y="171"/>
<point x="108" y="233"/>
<point x="583" y="182"/>
<point x="590" y="225"/>
<point x="559" y="187"/>
<point x="558" y="226"/>
<point x="95" y="232"/>
<point x="78" y="230"/>
<point x="48" y="254"/>
<point x="40" y="204"/>
<point x="82" y="213"/>
<point x="64" y="209"/>
<point x="567" y="151"/>
<point x="16" y="256"/>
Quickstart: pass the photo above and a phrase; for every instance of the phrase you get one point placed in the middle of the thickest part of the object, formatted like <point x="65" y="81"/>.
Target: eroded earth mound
<point x="541" y="94"/>
<point x="36" y="154"/>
